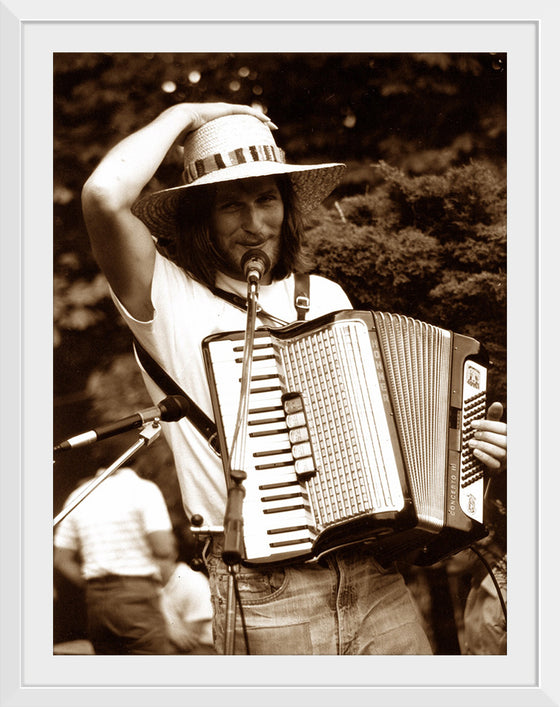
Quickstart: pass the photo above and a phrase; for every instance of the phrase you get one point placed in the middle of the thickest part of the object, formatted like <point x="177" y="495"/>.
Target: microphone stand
<point x="148" y="434"/>
<point x="232" y="552"/>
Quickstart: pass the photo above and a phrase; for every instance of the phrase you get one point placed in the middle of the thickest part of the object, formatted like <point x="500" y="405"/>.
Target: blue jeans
<point x="124" y="616"/>
<point x="344" y="605"/>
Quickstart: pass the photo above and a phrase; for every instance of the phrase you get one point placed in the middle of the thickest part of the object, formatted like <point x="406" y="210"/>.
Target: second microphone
<point x="170" y="409"/>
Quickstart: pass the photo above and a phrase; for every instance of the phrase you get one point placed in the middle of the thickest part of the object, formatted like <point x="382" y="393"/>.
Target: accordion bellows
<point x="358" y="429"/>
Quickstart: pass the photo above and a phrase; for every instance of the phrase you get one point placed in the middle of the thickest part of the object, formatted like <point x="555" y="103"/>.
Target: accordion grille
<point x="335" y="371"/>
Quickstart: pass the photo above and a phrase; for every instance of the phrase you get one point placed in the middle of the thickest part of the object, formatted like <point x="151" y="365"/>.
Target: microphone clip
<point x="255" y="265"/>
<point x="150" y="431"/>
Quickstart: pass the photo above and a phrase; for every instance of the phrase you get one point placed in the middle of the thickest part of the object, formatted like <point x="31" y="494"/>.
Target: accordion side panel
<point x="469" y="394"/>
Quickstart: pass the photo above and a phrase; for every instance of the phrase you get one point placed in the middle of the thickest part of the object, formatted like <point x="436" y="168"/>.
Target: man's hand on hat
<point x="200" y="113"/>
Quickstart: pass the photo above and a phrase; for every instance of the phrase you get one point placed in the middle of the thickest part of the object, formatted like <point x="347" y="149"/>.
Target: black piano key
<point x="265" y="421"/>
<point x="270" y="408"/>
<point x="292" y="529"/>
<point x="265" y="389"/>
<point x="285" y="509"/>
<point x="264" y="357"/>
<point x="279" y="485"/>
<point x="285" y="543"/>
<point x="270" y="452"/>
<point x="268" y="433"/>
<point x="256" y="346"/>
<point x="273" y="465"/>
<point x="281" y="496"/>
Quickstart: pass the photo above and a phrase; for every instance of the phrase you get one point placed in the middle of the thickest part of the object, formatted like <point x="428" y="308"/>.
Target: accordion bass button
<point x="295" y="420"/>
<point x="303" y="449"/>
<point x="305" y="468"/>
<point x="299" y="435"/>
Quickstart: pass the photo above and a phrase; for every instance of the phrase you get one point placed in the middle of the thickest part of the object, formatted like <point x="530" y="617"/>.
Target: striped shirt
<point x="109" y="528"/>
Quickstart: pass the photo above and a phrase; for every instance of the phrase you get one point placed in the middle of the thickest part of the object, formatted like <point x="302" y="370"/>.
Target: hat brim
<point x="312" y="184"/>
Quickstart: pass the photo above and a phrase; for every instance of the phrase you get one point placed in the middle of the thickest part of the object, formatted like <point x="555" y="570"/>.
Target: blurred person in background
<point x="165" y="255"/>
<point x="187" y="608"/>
<point x="113" y="544"/>
<point x="485" y="614"/>
<point x="485" y="630"/>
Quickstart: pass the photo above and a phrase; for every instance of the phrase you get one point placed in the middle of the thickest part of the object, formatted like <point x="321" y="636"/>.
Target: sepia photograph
<point x="265" y="190"/>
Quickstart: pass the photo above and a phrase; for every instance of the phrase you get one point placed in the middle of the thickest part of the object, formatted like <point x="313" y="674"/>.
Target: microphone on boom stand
<point x="255" y="264"/>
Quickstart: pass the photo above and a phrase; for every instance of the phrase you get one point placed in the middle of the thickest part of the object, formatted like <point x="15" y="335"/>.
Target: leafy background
<point x="418" y="226"/>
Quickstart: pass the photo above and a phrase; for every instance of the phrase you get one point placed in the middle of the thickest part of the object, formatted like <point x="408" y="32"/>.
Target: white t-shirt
<point x="185" y="313"/>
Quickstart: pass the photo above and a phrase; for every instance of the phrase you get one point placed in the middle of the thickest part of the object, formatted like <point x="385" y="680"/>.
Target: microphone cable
<point x="241" y="613"/>
<point x="494" y="580"/>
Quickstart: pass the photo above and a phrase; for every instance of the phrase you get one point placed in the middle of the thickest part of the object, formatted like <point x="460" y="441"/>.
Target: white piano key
<point x="269" y="480"/>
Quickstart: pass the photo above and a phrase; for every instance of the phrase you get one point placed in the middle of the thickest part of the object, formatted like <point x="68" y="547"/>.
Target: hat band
<point x="222" y="160"/>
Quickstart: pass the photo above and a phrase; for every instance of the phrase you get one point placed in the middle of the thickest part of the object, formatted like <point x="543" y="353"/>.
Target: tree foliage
<point x="430" y="247"/>
<point x="423" y="199"/>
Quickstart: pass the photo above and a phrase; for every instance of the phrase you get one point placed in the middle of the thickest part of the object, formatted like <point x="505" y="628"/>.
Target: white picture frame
<point x="31" y="675"/>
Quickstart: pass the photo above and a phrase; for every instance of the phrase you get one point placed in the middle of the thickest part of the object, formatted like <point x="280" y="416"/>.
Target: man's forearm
<point x="128" y="166"/>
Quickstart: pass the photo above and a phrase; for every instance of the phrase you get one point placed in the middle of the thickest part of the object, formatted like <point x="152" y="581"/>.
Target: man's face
<point x="247" y="214"/>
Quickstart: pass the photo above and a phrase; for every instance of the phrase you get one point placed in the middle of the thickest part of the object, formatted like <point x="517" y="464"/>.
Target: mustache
<point x="253" y="241"/>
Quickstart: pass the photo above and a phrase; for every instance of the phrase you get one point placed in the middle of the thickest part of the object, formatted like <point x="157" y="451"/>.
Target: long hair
<point x="193" y="248"/>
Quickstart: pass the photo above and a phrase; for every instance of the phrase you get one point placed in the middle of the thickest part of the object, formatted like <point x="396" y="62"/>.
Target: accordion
<point x="357" y="432"/>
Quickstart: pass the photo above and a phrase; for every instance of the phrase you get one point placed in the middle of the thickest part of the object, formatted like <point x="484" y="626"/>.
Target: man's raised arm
<point x="121" y="243"/>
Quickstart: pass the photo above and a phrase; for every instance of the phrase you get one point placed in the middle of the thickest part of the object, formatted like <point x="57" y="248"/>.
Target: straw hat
<point x="227" y="148"/>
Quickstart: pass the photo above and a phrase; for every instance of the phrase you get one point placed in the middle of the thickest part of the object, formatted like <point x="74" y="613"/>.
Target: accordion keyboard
<point x="278" y="521"/>
<point x="335" y="371"/>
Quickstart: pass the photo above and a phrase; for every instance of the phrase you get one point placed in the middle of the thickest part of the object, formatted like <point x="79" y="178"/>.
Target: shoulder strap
<point x="301" y="295"/>
<point x="230" y="297"/>
<point x="199" y="419"/>
<point x="241" y="304"/>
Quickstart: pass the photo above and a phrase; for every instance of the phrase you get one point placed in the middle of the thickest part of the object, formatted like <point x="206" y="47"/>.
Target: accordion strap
<point x="198" y="417"/>
<point x="301" y="295"/>
<point x="301" y="299"/>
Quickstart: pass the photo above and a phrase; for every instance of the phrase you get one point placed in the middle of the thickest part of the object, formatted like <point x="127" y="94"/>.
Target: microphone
<point x="255" y="264"/>
<point x="170" y="409"/>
